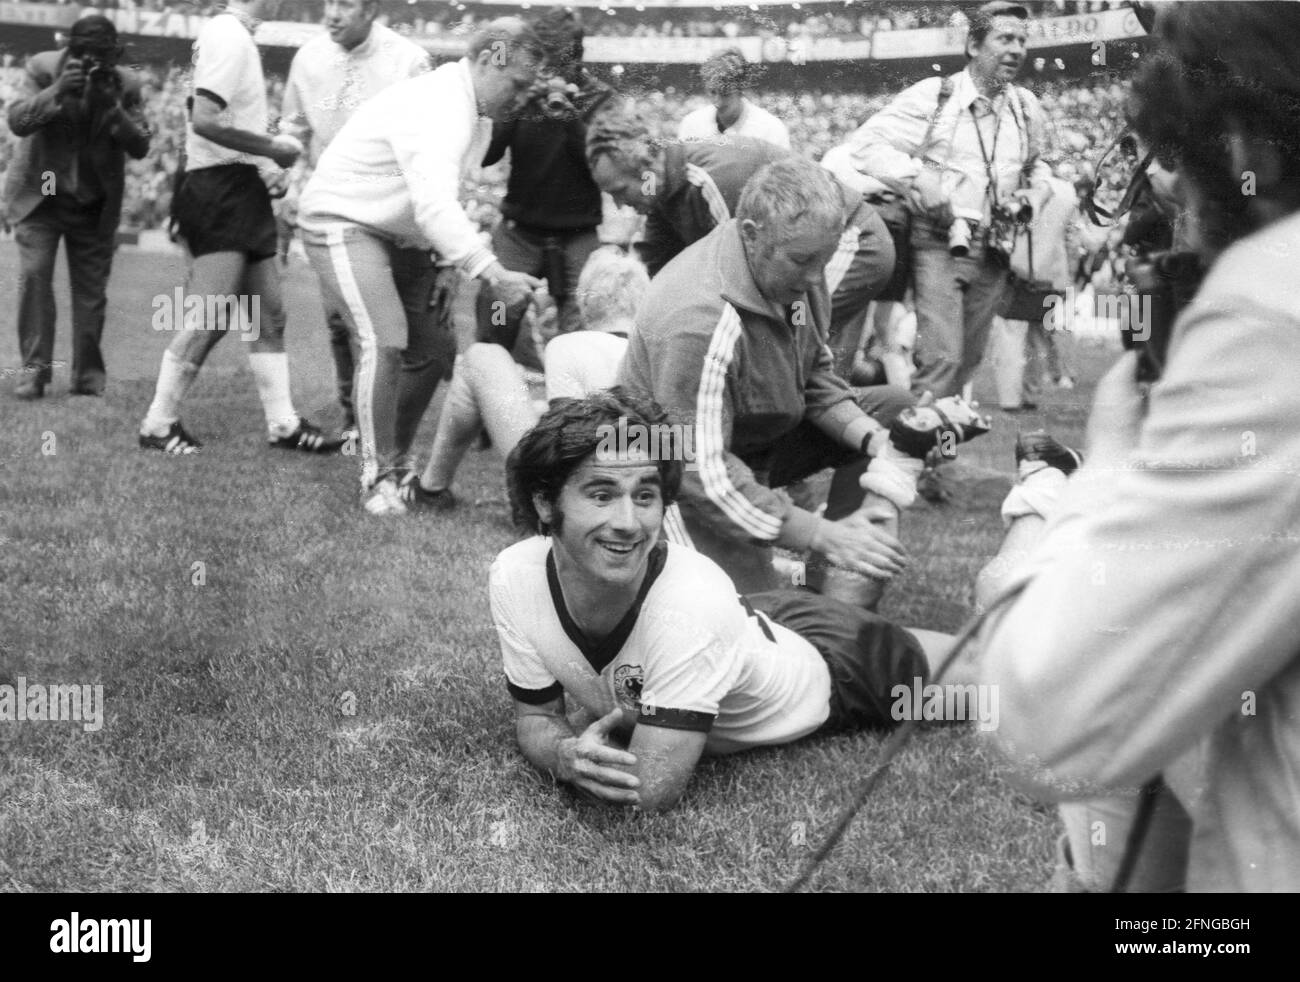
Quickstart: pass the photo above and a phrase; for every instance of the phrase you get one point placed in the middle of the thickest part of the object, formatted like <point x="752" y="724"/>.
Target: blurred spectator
<point x="727" y="76"/>
<point x="1084" y="116"/>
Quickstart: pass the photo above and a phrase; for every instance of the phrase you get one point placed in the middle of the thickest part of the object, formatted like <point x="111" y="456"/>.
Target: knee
<point x="36" y="271"/>
<point x="888" y="401"/>
<point x="484" y="361"/>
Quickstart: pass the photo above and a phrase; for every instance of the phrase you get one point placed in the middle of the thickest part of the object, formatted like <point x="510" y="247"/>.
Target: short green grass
<point x="320" y="704"/>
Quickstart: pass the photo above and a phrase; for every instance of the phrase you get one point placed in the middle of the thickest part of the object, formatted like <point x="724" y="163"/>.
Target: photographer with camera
<point x="1034" y="314"/>
<point x="964" y="153"/>
<point x="1143" y="613"/>
<point x="79" y="115"/>
<point x="552" y="206"/>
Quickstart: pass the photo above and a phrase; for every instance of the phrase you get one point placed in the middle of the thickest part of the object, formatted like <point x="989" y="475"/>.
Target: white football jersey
<point x="227" y="69"/>
<point x="689" y="654"/>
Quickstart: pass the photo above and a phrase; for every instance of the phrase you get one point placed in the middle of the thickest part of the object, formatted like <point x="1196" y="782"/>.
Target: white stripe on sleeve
<point x="703" y="180"/>
<point x="843" y="258"/>
<point x="709" y="443"/>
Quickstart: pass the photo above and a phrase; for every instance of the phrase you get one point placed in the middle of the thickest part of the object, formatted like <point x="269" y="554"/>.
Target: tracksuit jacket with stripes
<point x="742" y="373"/>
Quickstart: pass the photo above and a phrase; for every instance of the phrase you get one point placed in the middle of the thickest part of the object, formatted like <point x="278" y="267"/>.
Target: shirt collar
<point x="965" y="92"/>
<point x="740" y="120"/>
<point x="366" y="47"/>
<point x="738" y="286"/>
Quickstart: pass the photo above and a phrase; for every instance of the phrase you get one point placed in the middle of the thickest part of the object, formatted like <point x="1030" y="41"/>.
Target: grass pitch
<point x="300" y="697"/>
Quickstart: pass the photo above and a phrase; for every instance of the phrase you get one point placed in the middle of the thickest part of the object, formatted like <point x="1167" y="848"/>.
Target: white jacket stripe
<point x="703" y="180"/>
<point x="843" y="258"/>
<point x="709" y="443"/>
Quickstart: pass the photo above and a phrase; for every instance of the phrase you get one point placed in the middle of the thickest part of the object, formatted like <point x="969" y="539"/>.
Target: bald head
<point x="505" y="36"/>
<point x="506" y="61"/>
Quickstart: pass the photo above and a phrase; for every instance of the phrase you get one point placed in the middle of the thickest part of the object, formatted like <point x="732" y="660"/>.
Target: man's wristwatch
<point x="865" y="448"/>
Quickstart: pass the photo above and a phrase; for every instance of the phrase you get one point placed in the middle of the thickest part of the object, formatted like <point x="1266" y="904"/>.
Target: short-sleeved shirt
<point x="582" y="362"/>
<point x="754" y="121"/>
<point x="228" y="70"/>
<point x="690" y="653"/>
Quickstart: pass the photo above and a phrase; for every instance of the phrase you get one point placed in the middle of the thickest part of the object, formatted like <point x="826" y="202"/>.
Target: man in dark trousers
<point x="78" y="115"/>
<point x="552" y="206"/>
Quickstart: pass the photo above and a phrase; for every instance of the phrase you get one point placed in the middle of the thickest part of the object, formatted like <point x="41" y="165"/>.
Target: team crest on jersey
<point x="627" y="685"/>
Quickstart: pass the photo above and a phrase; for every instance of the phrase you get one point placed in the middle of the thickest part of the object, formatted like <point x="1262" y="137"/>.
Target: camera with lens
<point x="558" y="103"/>
<point x="552" y="101"/>
<point x="1005" y="223"/>
<point x="960" y="232"/>
<point x="1170" y="280"/>
<point x="100" y="69"/>
<point x="98" y="64"/>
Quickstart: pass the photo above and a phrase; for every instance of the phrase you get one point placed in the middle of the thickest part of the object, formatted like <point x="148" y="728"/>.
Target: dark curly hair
<point x="569" y="432"/>
<point x="727" y="71"/>
<point x="1223" y="68"/>
<point x="561" y="34"/>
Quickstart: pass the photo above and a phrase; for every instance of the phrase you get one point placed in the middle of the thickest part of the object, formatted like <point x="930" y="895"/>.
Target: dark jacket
<point x="54" y="132"/>
<point x="702" y="184"/>
<point x="550" y="187"/>
<point x="701" y="189"/>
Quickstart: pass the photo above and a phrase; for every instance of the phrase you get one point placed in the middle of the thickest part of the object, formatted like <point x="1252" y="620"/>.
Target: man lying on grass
<point x="649" y="637"/>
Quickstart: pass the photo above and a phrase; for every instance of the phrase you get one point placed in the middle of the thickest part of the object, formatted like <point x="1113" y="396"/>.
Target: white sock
<point x="893" y="475"/>
<point x="174" y="380"/>
<point x="1036" y="493"/>
<point x="271" y="371"/>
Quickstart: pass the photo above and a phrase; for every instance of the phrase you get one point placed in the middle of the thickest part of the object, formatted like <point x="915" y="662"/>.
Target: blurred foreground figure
<point x="1145" y="610"/>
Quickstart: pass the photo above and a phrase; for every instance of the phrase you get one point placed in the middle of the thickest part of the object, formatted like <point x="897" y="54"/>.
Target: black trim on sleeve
<point x="600" y="654"/>
<point x="535" y="697"/>
<point x="221" y="103"/>
<point x="677" y="719"/>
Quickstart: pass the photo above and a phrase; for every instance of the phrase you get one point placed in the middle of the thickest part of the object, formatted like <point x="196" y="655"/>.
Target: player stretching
<point x="223" y="211"/>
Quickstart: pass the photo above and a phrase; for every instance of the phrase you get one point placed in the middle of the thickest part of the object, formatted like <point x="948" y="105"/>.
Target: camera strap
<point x="945" y="93"/>
<point x="989" y="159"/>
<point x="899" y="739"/>
<point x="1136" y="185"/>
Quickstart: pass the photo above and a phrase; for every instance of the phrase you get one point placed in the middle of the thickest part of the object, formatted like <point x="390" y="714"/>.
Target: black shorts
<point x="866" y="654"/>
<point x="226" y="209"/>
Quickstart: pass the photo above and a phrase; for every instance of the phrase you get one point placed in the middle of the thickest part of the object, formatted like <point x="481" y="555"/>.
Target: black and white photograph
<point x="662" y="447"/>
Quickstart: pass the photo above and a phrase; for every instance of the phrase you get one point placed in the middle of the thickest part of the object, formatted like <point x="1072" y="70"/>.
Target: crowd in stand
<point x="807" y="20"/>
<point x="1085" y="117"/>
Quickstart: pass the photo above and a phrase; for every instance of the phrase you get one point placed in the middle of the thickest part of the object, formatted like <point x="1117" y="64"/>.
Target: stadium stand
<point x="1086" y="113"/>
